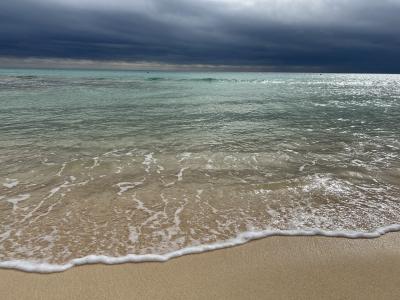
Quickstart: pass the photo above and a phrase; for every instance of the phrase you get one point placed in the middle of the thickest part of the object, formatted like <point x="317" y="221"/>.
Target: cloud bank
<point x="302" y="35"/>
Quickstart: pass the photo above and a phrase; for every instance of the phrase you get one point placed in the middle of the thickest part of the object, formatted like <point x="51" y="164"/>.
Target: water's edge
<point x="38" y="267"/>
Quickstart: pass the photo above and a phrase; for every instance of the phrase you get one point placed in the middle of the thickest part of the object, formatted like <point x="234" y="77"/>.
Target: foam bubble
<point x="180" y="174"/>
<point x="10" y="183"/>
<point x="125" y="186"/>
<point x="148" y="160"/>
<point x="14" y="200"/>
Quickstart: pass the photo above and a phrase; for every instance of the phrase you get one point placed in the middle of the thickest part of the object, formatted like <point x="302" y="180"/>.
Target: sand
<point x="271" y="268"/>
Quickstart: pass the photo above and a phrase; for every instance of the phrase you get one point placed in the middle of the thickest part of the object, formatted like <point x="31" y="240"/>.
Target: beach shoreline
<point x="271" y="268"/>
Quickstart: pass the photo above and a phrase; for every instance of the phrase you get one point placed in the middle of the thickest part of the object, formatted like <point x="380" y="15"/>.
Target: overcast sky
<point x="282" y="35"/>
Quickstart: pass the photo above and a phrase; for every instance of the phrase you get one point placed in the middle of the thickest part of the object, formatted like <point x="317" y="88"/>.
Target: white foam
<point x="14" y="201"/>
<point x="185" y="156"/>
<point x="10" y="183"/>
<point x="148" y="160"/>
<point x="62" y="169"/>
<point x="133" y="234"/>
<point x="125" y="186"/>
<point x="180" y="174"/>
<point x="242" y="238"/>
<point x="95" y="162"/>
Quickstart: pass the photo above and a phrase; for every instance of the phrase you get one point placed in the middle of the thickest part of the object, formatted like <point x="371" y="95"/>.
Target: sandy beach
<point x="271" y="268"/>
<point x="185" y="149"/>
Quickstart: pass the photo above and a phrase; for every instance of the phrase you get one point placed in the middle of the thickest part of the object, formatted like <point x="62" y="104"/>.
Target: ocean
<point x="121" y="166"/>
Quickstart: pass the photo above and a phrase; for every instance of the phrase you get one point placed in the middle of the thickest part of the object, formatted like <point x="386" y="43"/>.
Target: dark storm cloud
<point x="326" y="35"/>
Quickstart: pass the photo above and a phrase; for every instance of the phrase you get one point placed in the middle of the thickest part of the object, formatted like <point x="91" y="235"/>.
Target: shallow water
<point x="133" y="163"/>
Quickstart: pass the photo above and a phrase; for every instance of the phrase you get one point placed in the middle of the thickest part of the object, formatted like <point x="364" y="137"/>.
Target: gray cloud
<point x="326" y="35"/>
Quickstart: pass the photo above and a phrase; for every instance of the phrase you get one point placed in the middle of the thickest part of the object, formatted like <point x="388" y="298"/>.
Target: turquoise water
<point x="116" y="162"/>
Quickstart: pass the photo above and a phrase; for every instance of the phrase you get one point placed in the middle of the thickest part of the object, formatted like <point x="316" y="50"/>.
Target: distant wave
<point x="213" y="80"/>
<point x="156" y="78"/>
<point x="207" y="79"/>
<point x="26" y="76"/>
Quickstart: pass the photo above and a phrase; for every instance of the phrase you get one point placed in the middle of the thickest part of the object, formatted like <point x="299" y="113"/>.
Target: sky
<point x="260" y="35"/>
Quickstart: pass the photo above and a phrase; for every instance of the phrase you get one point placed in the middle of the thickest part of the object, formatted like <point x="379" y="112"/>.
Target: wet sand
<point x="271" y="268"/>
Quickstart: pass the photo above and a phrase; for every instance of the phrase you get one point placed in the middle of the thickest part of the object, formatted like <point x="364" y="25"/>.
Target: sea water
<point x="115" y="166"/>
